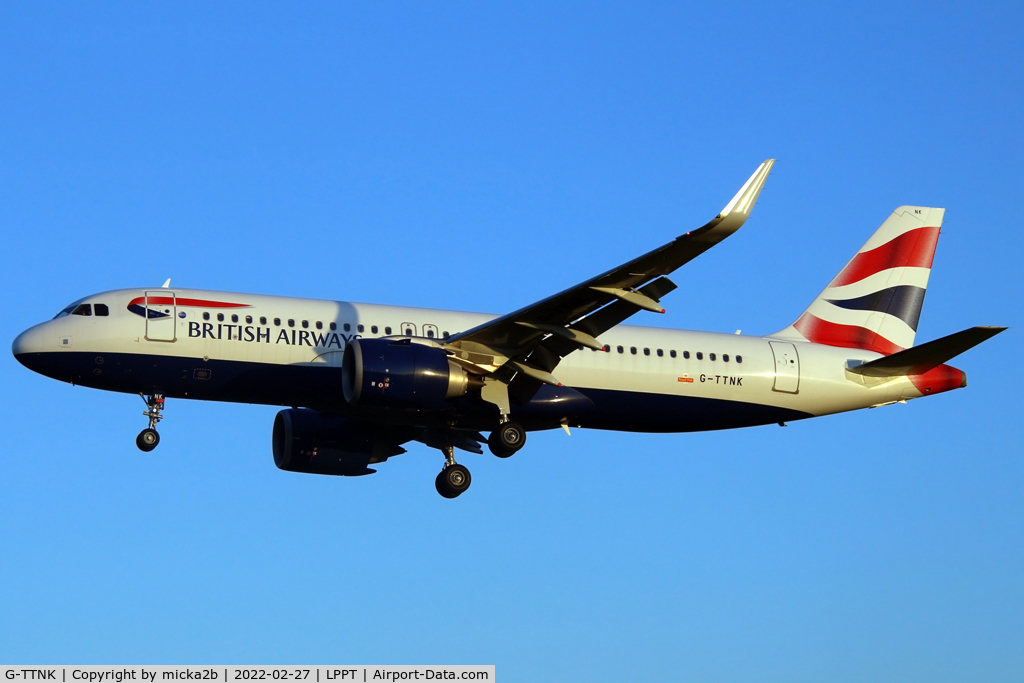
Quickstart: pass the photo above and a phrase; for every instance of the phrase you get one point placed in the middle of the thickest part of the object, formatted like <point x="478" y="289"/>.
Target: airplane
<point x="361" y="380"/>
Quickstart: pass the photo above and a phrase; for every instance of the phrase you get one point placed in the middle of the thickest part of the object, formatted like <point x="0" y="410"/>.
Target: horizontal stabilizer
<point x="920" y="359"/>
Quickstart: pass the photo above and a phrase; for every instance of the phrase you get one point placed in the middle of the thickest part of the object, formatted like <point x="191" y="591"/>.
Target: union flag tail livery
<point x="359" y="382"/>
<point x="875" y="302"/>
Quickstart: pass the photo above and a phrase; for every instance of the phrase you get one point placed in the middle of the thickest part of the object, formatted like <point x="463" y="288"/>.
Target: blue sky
<point x="480" y="158"/>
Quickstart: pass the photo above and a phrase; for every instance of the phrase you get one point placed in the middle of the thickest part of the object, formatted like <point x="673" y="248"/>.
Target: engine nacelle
<point x="389" y="373"/>
<point x="308" y="441"/>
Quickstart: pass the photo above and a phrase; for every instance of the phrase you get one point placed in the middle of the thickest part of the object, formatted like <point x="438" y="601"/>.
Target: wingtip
<point x="745" y="199"/>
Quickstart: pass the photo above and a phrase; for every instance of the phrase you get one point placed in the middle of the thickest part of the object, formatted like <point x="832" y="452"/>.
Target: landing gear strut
<point x="148" y="438"/>
<point x="508" y="438"/>
<point x="454" y="479"/>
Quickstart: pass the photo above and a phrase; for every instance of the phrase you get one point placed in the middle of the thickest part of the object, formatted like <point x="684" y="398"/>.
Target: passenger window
<point x="319" y="325"/>
<point x="408" y="331"/>
<point x="711" y="356"/>
<point x="647" y="352"/>
<point x="360" y="328"/>
<point x="387" y="330"/>
<point x="101" y="309"/>
<point x="234" y="317"/>
<point x="607" y="348"/>
<point x="700" y="356"/>
<point x="739" y="359"/>
<point x="373" y="329"/>
<point x="632" y="350"/>
<point x="673" y="353"/>
<point x="660" y="353"/>
<point x="277" y="322"/>
<point x="725" y="357"/>
<point x="248" y="320"/>
<point x="619" y="349"/>
<point x="206" y="315"/>
<point x="291" y="322"/>
<point x="686" y="355"/>
<point x="263" y="320"/>
<point x="334" y="326"/>
<point x="220" y="317"/>
<point x="83" y="309"/>
<point x="445" y="334"/>
<point x="430" y="333"/>
<point x="346" y="327"/>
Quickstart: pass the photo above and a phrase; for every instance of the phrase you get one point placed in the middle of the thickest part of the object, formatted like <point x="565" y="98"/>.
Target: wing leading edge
<point x="523" y="347"/>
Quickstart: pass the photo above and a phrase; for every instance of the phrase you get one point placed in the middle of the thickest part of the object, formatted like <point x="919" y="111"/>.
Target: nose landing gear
<point x="148" y="438"/>
<point x="454" y="479"/>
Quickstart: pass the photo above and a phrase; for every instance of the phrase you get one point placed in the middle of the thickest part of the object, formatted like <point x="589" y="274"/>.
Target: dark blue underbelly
<point x="320" y="388"/>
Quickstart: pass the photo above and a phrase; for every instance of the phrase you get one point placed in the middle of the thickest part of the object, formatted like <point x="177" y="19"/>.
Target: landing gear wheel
<point x="452" y="481"/>
<point x="506" y="439"/>
<point x="147" y="440"/>
<point x="495" y="445"/>
<point x="442" y="487"/>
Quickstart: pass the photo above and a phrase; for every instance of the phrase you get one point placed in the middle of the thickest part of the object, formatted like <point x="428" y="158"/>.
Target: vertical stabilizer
<point x="875" y="301"/>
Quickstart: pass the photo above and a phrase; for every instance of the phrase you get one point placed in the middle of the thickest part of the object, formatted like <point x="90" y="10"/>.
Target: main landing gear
<point x="507" y="439"/>
<point x="148" y="439"/>
<point x="454" y="479"/>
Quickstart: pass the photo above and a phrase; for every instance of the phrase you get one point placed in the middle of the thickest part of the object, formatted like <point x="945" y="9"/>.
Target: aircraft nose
<point x="29" y="341"/>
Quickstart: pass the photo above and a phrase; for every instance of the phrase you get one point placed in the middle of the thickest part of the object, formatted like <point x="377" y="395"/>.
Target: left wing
<point x="523" y="347"/>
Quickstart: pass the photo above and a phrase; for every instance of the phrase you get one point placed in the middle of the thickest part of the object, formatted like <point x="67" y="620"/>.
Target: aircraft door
<point x="787" y="367"/>
<point x="408" y="329"/>
<point x="430" y="331"/>
<point x="161" y="316"/>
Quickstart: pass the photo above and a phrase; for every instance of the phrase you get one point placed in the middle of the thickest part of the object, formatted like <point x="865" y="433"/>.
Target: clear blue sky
<point x="480" y="157"/>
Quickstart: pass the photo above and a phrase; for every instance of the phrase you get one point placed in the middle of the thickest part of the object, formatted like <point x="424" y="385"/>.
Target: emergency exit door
<point x="787" y="367"/>
<point x="161" y="316"/>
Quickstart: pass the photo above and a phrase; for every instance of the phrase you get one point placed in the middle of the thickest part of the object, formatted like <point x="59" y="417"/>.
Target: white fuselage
<point x="210" y="333"/>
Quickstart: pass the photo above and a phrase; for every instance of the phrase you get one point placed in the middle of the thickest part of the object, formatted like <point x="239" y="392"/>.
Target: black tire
<point x="147" y="440"/>
<point x="495" y="446"/>
<point x="453" y="481"/>
<point x="442" y="487"/>
<point x="509" y="437"/>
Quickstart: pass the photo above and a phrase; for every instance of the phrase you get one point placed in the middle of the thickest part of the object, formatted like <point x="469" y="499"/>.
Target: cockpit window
<point x="67" y="309"/>
<point x="78" y="308"/>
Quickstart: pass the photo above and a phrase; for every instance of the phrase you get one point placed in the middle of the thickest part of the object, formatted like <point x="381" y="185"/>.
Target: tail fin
<point x="875" y="301"/>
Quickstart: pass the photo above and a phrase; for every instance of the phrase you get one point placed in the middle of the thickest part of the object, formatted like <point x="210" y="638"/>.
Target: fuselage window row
<point x="672" y="353"/>
<point x="101" y="309"/>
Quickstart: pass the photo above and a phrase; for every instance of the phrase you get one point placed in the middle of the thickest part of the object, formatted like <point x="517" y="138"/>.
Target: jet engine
<point x="390" y="373"/>
<point x="314" y="443"/>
